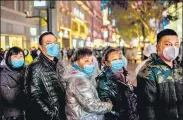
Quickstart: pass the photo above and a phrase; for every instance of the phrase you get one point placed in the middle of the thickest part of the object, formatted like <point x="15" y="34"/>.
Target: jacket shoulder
<point x="147" y="70"/>
<point x="35" y="64"/>
<point x="78" y="81"/>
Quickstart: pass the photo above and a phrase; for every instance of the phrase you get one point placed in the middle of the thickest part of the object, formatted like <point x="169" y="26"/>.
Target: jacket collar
<point x="77" y="68"/>
<point x="47" y="62"/>
<point x="158" y="61"/>
<point x="107" y="71"/>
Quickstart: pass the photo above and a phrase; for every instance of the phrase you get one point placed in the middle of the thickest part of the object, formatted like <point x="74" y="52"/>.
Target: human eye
<point x="168" y="44"/>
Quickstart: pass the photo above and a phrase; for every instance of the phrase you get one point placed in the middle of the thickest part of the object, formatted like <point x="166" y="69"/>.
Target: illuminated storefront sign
<point x="78" y="13"/>
<point x="105" y="17"/>
<point x="33" y="31"/>
<point x="79" y="29"/>
<point x="64" y="33"/>
<point x="113" y="22"/>
<point x="39" y="3"/>
<point x="105" y="34"/>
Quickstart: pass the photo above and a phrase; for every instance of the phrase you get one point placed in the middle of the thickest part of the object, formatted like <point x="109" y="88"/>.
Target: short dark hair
<point x="81" y="52"/>
<point x="108" y="51"/>
<point x="164" y="33"/>
<point x="44" y="34"/>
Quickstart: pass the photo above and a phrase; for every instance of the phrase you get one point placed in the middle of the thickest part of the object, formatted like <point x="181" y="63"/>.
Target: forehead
<point x="87" y="57"/>
<point x="114" y="54"/>
<point x="170" y="38"/>
<point x="20" y="53"/>
<point x="49" y="37"/>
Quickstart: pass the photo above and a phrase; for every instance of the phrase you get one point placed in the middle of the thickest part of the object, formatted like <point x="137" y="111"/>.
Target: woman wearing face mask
<point x="113" y="86"/>
<point x="11" y="88"/>
<point x="82" y="101"/>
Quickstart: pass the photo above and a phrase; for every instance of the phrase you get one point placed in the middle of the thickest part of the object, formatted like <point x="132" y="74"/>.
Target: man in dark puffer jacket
<point x="160" y="81"/>
<point x="46" y="98"/>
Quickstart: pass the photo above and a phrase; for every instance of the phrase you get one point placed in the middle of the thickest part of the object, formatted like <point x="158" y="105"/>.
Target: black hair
<point x="13" y="51"/>
<point x="164" y="33"/>
<point x="107" y="48"/>
<point x="81" y="52"/>
<point x="44" y="34"/>
<point x="107" y="52"/>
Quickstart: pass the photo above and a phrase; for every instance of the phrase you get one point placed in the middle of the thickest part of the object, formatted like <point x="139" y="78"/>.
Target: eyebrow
<point x="170" y="42"/>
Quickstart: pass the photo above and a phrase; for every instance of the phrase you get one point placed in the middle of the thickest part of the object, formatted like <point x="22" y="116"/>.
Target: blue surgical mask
<point x="17" y="63"/>
<point x="52" y="50"/>
<point x="89" y="69"/>
<point x="117" y="65"/>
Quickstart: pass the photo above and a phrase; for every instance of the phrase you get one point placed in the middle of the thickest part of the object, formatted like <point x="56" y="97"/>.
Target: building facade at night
<point x="16" y="29"/>
<point x="78" y="24"/>
<point x="75" y="23"/>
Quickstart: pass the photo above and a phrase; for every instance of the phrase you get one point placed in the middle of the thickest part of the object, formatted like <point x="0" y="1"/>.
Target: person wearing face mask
<point x="45" y="96"/>
<point x="12" y="84"/>
<point x="113" y="86"/>
<point x="82" y="101"/>
<point x="160" y="81"/>
<point x="123" y="57"/>
<point x="28" y="57"/>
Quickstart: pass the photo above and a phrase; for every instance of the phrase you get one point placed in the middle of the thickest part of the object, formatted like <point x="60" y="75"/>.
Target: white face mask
<point x="38" y="52"/>
<point x="25" y="52"/>
<point x="171" y="53"/>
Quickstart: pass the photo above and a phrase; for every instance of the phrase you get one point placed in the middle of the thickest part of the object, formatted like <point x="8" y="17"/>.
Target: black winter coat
<point x="160" y="90"/>
<point x="11" y="92"/>
<point x="45" y="97"/>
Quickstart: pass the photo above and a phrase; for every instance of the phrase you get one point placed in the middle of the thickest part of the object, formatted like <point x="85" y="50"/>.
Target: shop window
<point x="21" y="6"/>
<point x="16" y="5"/>
<point x="74" y="26"/>
<point x="82" y="29"/>
<point x="3" y="3"/>
<point x="74" y="43"/>
<point x="3" y="42"/>
<point x="8" y="4"/>
<point x="15" y="41"/>
<point x="7" y="42"/>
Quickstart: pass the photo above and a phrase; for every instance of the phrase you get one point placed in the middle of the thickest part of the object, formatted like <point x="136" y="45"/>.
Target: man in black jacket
<point x="46" y="98"/>
<point x="160" y="81"/>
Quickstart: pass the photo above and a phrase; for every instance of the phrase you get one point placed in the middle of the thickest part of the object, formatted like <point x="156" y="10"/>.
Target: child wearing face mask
<point x="12" y="84"/>
<point x="113" y="86"/>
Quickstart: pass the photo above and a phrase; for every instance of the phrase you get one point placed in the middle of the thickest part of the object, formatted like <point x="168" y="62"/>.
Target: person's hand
<point x="110" y="105"/>
<point x="109" y="101"/>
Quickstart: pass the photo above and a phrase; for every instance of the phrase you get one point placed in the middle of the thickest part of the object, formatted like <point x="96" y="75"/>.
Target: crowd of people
<point x="93" y="84"/>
